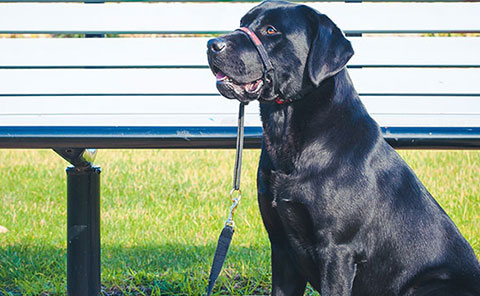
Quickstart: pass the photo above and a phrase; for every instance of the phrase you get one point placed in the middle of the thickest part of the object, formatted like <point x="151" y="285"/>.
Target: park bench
<point x="135" y="75"/>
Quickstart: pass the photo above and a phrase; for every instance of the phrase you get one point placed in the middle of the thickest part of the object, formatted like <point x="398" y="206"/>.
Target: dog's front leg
<point x="338" y="272"/>
<point x="286" y="278"/>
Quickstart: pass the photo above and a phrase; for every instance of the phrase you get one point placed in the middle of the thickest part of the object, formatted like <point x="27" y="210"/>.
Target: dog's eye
<point x="271" y="30"/>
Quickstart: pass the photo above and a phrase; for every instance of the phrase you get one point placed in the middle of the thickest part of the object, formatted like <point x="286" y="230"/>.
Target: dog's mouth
<point x="245" y="91"/>
<point x="252" y="87"/>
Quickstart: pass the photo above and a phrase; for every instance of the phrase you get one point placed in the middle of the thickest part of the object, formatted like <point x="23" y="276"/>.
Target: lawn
<point x="162" y="211"/>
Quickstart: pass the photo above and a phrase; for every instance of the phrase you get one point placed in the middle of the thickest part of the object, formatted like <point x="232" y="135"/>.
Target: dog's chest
<point x="281" y="141"/>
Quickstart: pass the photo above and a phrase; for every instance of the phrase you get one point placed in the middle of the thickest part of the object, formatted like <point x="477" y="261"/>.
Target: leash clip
<point x="235" y="202"/>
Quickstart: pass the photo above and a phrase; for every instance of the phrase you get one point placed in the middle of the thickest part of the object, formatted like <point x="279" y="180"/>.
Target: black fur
<point x="343" y="211"/>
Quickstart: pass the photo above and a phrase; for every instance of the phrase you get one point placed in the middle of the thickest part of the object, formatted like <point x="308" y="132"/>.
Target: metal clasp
<point x="235" y="201"/>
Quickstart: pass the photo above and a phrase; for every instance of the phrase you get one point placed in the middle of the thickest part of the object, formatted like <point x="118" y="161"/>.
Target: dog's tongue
<point x="221" y="76"/>
<point x="252" y="86"/>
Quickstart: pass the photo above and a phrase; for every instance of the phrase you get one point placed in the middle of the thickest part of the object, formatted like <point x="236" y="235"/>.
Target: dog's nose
<point x="216" y="44"/>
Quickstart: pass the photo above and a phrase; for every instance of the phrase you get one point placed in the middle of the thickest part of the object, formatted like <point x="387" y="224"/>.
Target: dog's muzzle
<point x="268" y="70"/>
<point x="268" y="67"/>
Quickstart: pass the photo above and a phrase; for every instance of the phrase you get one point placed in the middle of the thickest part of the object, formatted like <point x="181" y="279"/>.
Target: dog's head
<point x="304" y="47"/>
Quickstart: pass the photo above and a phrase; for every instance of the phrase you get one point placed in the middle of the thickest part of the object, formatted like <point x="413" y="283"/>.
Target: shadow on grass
<point x="168" y="269"/>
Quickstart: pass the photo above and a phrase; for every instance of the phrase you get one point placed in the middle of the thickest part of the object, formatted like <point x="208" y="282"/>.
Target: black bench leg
<point x="83" y="225"/>
<point x="83" y="231"/>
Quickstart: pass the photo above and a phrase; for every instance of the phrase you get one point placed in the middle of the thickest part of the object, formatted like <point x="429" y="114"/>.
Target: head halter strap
<point x="268" y="66"/>
<point x="259" y="46"/>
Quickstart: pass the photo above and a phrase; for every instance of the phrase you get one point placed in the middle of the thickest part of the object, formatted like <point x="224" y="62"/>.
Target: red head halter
<point x="268" y="70"/>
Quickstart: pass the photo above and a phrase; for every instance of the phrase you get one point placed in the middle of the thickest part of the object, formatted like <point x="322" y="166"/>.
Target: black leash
<point x="235" y="194"/>
<point x="227" y="233"/>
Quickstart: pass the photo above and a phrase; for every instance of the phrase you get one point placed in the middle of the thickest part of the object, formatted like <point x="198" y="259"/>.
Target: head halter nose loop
<point x="268" y="74"/>
<point x="260" y="48"/>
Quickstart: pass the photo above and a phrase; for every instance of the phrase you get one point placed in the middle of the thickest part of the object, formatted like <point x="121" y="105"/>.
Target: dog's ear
<point x="329" y="49"/>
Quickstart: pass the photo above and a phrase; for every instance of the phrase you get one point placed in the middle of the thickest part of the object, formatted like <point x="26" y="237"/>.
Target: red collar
<point x="279" y="100"/>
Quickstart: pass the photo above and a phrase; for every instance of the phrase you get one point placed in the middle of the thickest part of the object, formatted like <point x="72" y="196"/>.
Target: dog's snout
<point x="216" y="44"/>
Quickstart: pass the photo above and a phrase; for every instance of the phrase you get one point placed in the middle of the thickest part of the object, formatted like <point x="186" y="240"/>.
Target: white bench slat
<point x="151" y="52"/>
<point x="215" y="17"/>
<point x="418" y="51"/>
<point x="62" y="105"/>
<point x="105" y="52"/>
<point x="385" y="120"/>
<point x="117" y="105"/>
<point x="86" y="120"/>
<point x="217" y="111"/>
<point x="201" y="81"/>
<point x="416" y="80"/>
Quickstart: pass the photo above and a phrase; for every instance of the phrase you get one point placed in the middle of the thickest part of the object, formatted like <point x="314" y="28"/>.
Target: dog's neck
<point x="316" y="119"/>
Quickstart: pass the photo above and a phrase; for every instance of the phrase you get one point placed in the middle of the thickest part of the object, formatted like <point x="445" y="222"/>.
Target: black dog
<point x="343" y="211"/>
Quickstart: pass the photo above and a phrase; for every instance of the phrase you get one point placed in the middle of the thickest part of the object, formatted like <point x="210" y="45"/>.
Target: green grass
<point x="162" y="211"/>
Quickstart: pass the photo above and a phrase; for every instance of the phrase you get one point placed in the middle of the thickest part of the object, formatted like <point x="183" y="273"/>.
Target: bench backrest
<point x="148" y="78"/>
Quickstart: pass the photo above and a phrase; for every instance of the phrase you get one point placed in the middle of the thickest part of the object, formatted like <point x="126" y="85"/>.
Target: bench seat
<point x="146" y="86"/>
